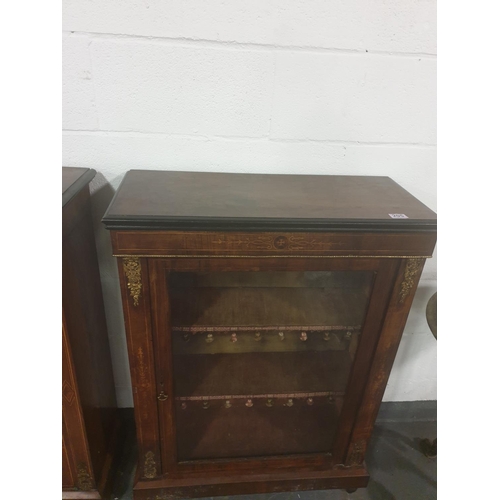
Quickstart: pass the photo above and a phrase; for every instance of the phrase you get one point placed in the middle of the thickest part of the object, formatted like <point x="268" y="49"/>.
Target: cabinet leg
<point x="351" y="490"/>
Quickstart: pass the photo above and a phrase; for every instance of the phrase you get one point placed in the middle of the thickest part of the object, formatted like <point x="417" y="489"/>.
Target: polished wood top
<point x="73" y="180"/>
<point x="221" y="201"/>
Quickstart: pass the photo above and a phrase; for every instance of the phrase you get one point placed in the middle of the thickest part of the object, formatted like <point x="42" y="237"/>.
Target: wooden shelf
<point x="268" y="341"/>
<point x="261" y="373"/>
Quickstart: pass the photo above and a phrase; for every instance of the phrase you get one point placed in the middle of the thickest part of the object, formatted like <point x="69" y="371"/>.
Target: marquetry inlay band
<point x="275" y="256"/>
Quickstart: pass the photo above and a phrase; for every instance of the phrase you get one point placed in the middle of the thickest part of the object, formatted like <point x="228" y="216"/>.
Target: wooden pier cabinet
<point x="263" y="315"/>
<point x="89" y="423"/>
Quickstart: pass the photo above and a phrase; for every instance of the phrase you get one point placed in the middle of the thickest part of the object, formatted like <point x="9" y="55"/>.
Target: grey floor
<point x="398" y="469"/>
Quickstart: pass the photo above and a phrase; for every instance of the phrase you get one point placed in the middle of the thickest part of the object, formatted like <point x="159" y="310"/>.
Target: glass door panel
<point x="262" y="359"/>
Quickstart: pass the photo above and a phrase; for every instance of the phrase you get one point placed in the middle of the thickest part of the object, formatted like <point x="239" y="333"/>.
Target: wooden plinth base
<point x="196" y="487"/>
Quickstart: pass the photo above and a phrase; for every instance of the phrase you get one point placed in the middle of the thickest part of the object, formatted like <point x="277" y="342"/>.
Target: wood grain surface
<point x="201" y="200"/>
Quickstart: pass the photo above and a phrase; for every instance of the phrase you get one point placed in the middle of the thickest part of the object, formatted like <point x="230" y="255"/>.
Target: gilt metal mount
<point x="132" y="269"/>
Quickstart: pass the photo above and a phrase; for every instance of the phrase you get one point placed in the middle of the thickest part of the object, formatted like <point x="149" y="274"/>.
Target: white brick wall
<point x="182" y="89"/>
<point x="281" y="86"/>
<point x="358" y="98"/>
<point x="79" y="111"/>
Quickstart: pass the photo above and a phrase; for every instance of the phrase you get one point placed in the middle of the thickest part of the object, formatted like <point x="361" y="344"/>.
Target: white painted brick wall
<point x="362" y="97"/>
<point x="79" y="111"/>
<point x="182" y="89"/>
<point x="277" y="86"/>
<point x="407" y="26"/>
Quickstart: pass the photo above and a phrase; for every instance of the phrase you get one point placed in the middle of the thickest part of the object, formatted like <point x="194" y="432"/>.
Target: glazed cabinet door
<point x="263" y="361"/>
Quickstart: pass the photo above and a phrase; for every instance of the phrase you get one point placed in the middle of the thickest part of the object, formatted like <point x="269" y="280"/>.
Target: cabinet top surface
<point x="220" y="201"/>
<point x="73" y="180"/>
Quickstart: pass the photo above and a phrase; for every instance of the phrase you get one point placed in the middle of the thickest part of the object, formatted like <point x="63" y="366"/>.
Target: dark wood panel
<point x="74" y="179"/>
<point x="74" y="211"/>
<point x="190" y="200"/>
<point x="73" y="430"/>
<point x="87" y="333"/>
<point x="68" y="481"/>
<point x="89" y="403"/>
<point x="134" y="283"/>
<point x="217" y="244"/>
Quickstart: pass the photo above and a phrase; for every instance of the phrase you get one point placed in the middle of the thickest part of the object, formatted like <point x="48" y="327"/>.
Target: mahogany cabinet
<point x="88" y="393"/>
<point x="263" y="314"/>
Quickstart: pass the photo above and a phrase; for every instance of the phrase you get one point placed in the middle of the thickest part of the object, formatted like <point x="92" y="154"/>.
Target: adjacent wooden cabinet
<point x="88" y="393"/>
<point x="263" y="315"/>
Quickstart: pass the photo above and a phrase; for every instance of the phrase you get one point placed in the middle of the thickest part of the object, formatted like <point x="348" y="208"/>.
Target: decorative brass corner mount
<point x="413" y="266"/>
<point x="132" y="269"/>
<point x="150" y="465"/>
<point x="84" y="481"/>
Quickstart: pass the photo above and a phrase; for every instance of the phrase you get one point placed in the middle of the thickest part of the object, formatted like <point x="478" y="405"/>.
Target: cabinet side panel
<point x="68" y="481"/>
<point x="75" y="446"/>
<point x="136" y="307"/>
<point x="401" y="299"/>
<point x="86" y="329"/>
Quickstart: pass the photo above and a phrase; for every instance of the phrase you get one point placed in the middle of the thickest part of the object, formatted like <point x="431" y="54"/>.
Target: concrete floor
<point x="398" y="469"/>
